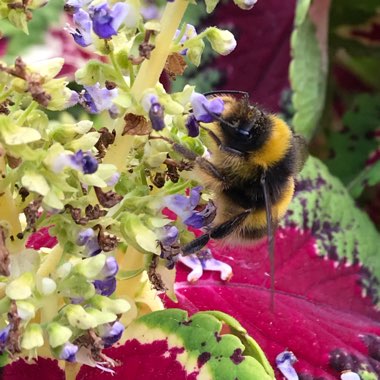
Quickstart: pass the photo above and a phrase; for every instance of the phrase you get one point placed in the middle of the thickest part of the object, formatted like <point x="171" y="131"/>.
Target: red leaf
<point x="144" y="362"/>
<point x="42" y="369"/>
<point x="318" y="312"/>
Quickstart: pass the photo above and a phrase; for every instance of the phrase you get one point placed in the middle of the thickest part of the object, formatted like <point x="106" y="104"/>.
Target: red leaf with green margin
<point x="321" y="312"/>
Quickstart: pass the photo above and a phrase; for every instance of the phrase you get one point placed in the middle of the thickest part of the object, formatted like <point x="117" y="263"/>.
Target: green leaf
<point x="207" y="350"/>
<point x="307" y="77"/>
<point x="325" y="207"/>
<point x="352" y="146"/>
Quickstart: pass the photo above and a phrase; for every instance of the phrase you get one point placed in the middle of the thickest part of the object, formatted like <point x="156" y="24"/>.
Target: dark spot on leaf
<point x="341" y="360"/>
<point x="187" y="323"/>
<point x="203" y="358"/>
<point x="373" y="344"/>
<point x="237" y="356"/>
<point x="217" y="337"/>
<point x="203" y="344"/>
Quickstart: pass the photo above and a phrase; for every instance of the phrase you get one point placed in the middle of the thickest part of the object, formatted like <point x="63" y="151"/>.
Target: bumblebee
<point x="254" y="158"/>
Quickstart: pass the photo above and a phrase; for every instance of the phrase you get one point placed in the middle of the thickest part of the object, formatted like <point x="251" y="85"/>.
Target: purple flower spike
<point x="105" y="287"/>
<point x="96" y="99"/>
<point x="111" y="334"/>
<point x="68" y="352"/>
<point x="204" y="109"/>
<point x="110" y="268"/>
<point x="192" y="126"/>
<point x="82" y="33"/>
<point x="106" y="22"/>
<point x="284" y="362"/>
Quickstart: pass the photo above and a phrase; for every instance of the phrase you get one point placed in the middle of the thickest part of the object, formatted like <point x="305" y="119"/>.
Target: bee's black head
<point x="246" y="130"/>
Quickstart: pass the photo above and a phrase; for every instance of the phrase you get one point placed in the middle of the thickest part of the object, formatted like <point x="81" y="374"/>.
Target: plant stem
<point x="31" y="107"/>
<point x="120" y="75"/>
<point x="151" y="69"/>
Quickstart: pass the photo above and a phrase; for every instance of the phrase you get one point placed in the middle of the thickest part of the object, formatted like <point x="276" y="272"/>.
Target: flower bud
<point x="32" y="337"/>
<point x="222" y="41"/>
<point x="58" y="334"/>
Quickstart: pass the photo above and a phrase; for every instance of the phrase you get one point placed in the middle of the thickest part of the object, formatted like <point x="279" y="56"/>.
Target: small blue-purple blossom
<point x="83" y="25"/>
<point x="105" y="287"/>
<point x="155" y="111"/>
<point x="110" y="268"/>
<point x="92" y="246"/>
<point x="85" y="162"/>
<point x="284" y="362"/>
<point x="185" y="208"/>
<point x="4" y="333"/>
<point x="192" y="126"/>
<point x="110" y="334"/>
<point x="204" y="109"/>
<point x="68" y="352"/>
<point x="107" y="21"/>
<point x="96" y="99"/>
<point x="113" y="180"/>
<point x="150" y="12"/>
<point x="73" y="100"/>
<point x="190" y="32"/>
<point x="168" y="235"/>
<point x="84" y="236"/>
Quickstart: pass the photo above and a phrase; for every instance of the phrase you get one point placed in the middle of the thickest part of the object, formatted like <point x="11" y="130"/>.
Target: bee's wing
<point x="301" y="151"/>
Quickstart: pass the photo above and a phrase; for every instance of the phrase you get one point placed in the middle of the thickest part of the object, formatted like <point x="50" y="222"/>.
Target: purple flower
<point x="110" y="334"/>
<point x="4" y="333"/>
<point x="192" y="126"/>
<point x="155" y="111"/>
<point x="190" y="32"/>
<point x="204" y="109"/>
<point x="68" y="352"/>
<point x="186" y="208"/>
<point x="82" y="32"/>
<point x="168" y="235"/>
<point x="150" y="12"/>
<point x="105" y="287"/>
<point x="284" y="362"/>
<point x="84" y="236"/>
<point x="85" y="162"/>
<point x="110" y="268"/>
<point x="96" y="99"/>
<point x="106" y="21"/>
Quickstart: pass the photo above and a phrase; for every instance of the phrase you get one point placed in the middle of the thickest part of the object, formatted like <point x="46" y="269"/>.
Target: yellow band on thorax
<point x="277" y="145"/>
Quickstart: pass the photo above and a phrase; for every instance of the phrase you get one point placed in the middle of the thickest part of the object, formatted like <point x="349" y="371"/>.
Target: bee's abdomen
<point x="248" y="192"/>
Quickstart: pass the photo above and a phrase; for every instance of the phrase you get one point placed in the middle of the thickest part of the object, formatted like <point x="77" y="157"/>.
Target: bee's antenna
<point x="270" y="233"/>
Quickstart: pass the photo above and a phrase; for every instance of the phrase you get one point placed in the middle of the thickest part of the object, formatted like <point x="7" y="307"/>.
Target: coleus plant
<point x="68" y="286"/>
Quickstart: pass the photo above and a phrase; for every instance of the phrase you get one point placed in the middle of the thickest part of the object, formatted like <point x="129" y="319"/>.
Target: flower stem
<point x="120" y="75"/>
<point x="151" y="69"/>
<point x="31" y="107"/>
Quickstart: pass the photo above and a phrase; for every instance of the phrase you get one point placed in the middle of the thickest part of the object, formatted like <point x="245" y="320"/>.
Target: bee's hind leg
<point x="218" y="232"/>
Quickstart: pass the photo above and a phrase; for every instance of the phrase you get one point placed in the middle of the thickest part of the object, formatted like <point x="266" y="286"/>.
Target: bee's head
<point x="244" y="127"/>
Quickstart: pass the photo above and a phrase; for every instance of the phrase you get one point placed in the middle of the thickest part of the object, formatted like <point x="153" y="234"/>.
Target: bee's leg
<point x="218" y="232"/>
<point x="205" y="165"/>
<point x="221" y="146"/>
